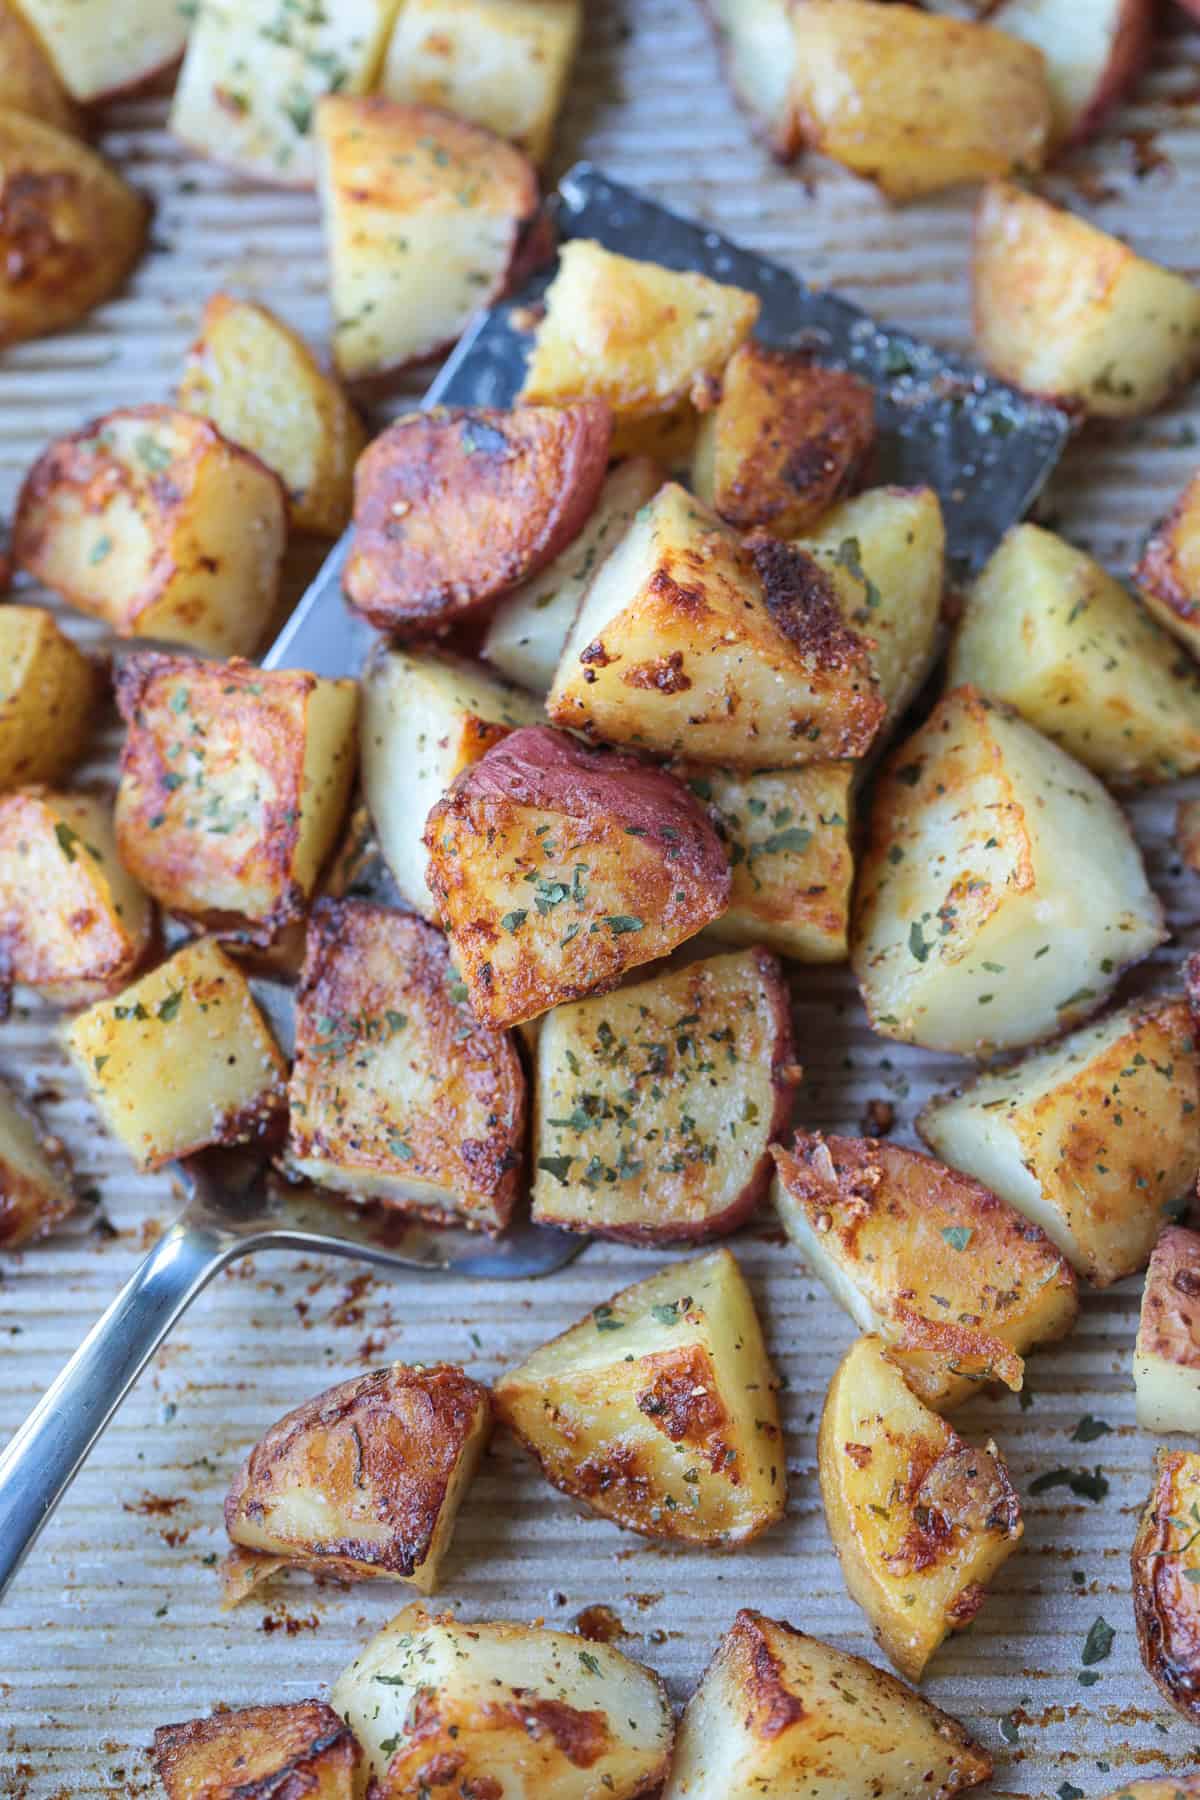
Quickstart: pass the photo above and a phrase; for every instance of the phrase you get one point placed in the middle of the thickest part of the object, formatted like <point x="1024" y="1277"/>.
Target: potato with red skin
<point x="1093" y="55"/>
<point x="1166" y="1356"/>
<point x="35" y="1176"/>
<point x="1164" y="1564"/>
<point x="557" y="868"/>
<point x="29" y="82"/>
<point x="301" y="1751"/>
<point x="1168" y="572"/>
<point x="454" y="507"/>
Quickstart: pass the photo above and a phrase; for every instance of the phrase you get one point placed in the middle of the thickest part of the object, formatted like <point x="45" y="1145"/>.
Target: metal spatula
<point x="986" y="449"/>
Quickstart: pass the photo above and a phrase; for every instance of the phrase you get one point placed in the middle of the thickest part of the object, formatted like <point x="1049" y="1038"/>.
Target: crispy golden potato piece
<point x="253" y="78"/>
<point x="277" y="1752"/>
<point x="956" y="1284"/>
<point x="48" y="695"/>
<point x="557" y="868"/>
<point x="423" y="216"/>
<point x="639" y="337"/>
<point x="656" y="1105"/>
<point x="150" y="520"/>
<point x="1092" y="55"/>
<point x="366" y="1479"/>
<point x="1166" y="1357"/>
<point x="73" y="922"/>
<point x="397" y="1094"/>
<point x="182" y="1059"/>
<point x="1168" y="574"/>
<point x="690" y="643"/>
<point x="499" y="63"/>
<point x="1051" y="632"/>
<point x="530" y="626"/>
<point x="102" y="50"/>
<point x="456" y="506"/>
<point x="1164" y="1564"/>
<point x="234" y="782"/>
<point x="70" y="229"/>
<point x="263" y="388"/>
<point x="758" y="54"/>
<point x="525" y="1711"/>
<point x="658" y="1409"/>
<point x="1070" y="313"/>
<point x="916" y="102"/>
<point x="787" y="835"/>
<point x="785" y="441"/>
<point x="29" y="81"/>
<point x="781" y="1714"/>
<point x="35" y="1176"/>
<point x="1095" y="1138"/>
<point x="919" y="1519"/>
<point x="990" y="850"/>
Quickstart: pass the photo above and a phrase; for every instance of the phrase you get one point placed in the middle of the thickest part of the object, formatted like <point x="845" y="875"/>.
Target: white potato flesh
<point x="107" y="46"/>
<point x="758" y="50"/>
<point x="1166" y="1356"/>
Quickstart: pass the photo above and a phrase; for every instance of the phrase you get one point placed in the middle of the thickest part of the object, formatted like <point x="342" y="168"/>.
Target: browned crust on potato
<point x="1166" y="1606"/>
<point x="259" y="1753"/>
<point x="1159" y="570"/>
<point x="1169" y="1326"/>
<point x="803" y="603"/>
<point x="29" y="1210"/>
<point x="453" y="508"/>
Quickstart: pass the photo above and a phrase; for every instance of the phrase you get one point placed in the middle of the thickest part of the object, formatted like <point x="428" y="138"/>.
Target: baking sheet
<point x="112" y="1627"/>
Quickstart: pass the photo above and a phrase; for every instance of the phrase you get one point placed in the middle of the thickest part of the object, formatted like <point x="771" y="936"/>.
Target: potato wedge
<point x="74" y="924"/>
<point x="366" y="1479"/>
<point x="150" y="520"/>
<point x="182" y="1059"/>
<point x="538" y="856"/>
<point x="955" y="1283"/>
<point x="778" y="1713"/>
<point x="1166" y="1595"/>
<point x="1168" y="573"/>
<point x="991" y="849"/>
<point x="758" y="53"/>
<point x="639" y="337"/>
<point x="70" y="229"/>
<point x="916" y="102"/>
<point x="29" y="81"/>
<point x="499" y="63"/>
<point x="658" y="1409"/>
<point x="426" y="716"/>
<point x="786" y="440"/>
<point x="423" y="215"/>
<point x="1056" y="636"/>
<point x="35" y="1176"/>
<point x="1166" y="1357"/>
<point x="1092" y="56"/>
<point x="1187" y="834"/>
<point x="102" y="50"/>
<point x="689" y="643"/>
<point x="920" y="1520"/>
<point x="530" y="626"/>
<point x="299" y="1749"/>
<point x="1095" y="1138"/>
<point x="1074" y="315"/>
<point x="787" y="835"/>
<point x="263" y="388"/>
<point x="456" y="506"/>
<point x="396" y="1093"/>
<point x="253" y="78"/>
<point x="436" y="1702"/>
<point x="48" y="696"/>
<point x="656" y="1104"/>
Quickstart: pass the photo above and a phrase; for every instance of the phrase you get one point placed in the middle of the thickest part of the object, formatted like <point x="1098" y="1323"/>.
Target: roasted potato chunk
<point x="1068" y="312"/>
<point x="785" y="441"/>
<point x="990" y="849"/>
<point x="73" y="922"/>
<point x="366" y="1479"/>
<point x="499" y="63"/>
<point x="423" y="214"/>
<point x="658" y="1409"/>
<point x="1092" y="57"/>
<point x="397" y="1094"/>
<point x="263" y="388"/>
<point x="758" y="53"/>
<point x="639" y="337"/>
<point x="1187" y="833"/>
<point x="300" y="1749"/>
<point x="1055" y="635"/>
<point x="29" y="81"/>
<point x="454" y="507"/>
<point x="102" y="50"/>
<point x="35" y="1177"/>
<point x="234" y="781"/>
<point x="530" y="626"/>
<point x="919" y="1519"/>
<point x="689" y="643"/>
<point x="150" y="520"/>
<point x="778" y="1713"/>
<point x="182" y="1059"/>
<point x="1095" y="1138"/>
<point x="435" y="1701"/>
<point x="48" y="695"/>
<point x="916" y="102"/>
<point x="1165" y="1565"/>
<point x="537" y="857"/>
<point x="70" y="229"/>
<point x="426" y="716"/>
<point x="1166" y="1357"/>
<point x="656" y="1104"/>
<point x="1168" y="574"/>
